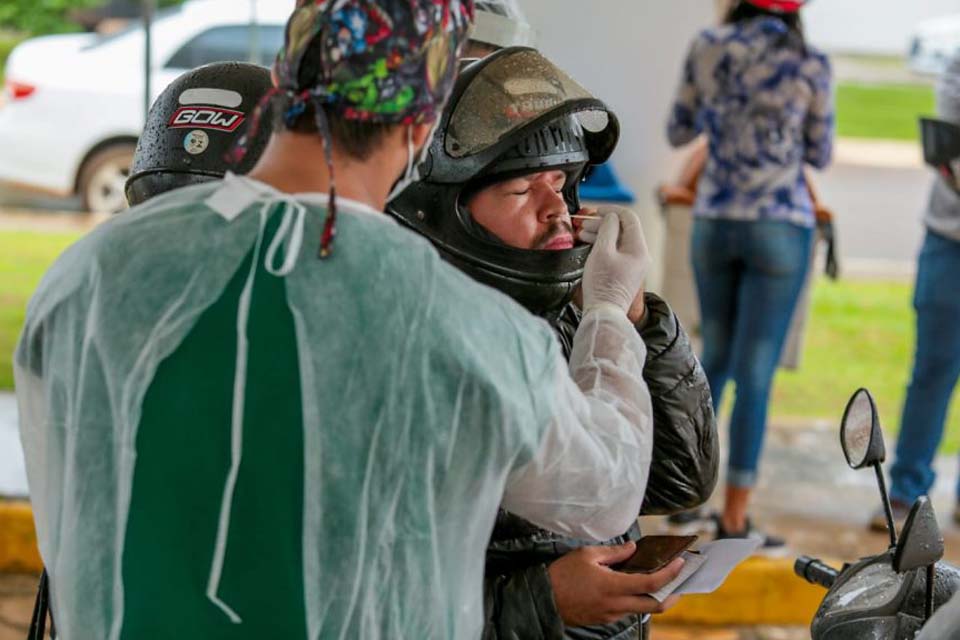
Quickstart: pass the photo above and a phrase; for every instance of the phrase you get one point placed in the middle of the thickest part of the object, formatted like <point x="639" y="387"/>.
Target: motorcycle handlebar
<point x="815" y="572"/>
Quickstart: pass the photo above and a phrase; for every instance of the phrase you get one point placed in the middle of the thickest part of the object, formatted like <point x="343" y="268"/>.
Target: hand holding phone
<point x="587" y="591"/>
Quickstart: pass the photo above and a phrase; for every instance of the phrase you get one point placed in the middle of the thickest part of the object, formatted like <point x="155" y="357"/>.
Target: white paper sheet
<point x="705" y="571"/>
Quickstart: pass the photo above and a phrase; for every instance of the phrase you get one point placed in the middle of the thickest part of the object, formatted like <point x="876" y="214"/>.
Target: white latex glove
<point x="619" y="262"/>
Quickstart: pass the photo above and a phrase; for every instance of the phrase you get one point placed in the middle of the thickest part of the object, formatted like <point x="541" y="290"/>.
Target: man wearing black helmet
<point x="496" y="197"/>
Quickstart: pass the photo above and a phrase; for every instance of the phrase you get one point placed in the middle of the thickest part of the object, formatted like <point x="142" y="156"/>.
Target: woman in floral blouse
<point x="762" y="96"/>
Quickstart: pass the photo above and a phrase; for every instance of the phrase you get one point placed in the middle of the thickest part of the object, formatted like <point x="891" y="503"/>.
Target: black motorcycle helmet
<point x="193" y="126"/>
<point x="511" y="113"/>
<point x="941" y="149"/>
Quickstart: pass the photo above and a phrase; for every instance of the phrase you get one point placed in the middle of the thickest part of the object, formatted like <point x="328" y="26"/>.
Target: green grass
<point x="860" y="334"/>
<point x="882" y="111"/>
<point x="24" y="257"/>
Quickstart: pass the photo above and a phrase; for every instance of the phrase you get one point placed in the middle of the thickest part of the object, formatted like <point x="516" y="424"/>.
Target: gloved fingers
<point x="592" y="224"/>
<point x="608" y="235"/>
<point x="588" y="237"/>
<point x="589" y="229"/>
<point x="632" y="240"/>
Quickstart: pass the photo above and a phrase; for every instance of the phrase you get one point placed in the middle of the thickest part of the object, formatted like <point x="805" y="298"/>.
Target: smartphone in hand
<point x="654" y="553"/>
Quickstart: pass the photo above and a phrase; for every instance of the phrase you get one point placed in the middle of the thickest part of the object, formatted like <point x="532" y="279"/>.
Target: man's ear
<point x="421" y="135"/>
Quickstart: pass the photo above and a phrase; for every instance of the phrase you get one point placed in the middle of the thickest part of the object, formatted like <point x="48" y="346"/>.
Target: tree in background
<point x="20" y="19"/>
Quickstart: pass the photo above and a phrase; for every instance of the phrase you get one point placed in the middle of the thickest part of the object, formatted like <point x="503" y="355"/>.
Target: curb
<point x="761" y="591"/>
<point x="878" y="154"/>
<point x="18" y="539"/>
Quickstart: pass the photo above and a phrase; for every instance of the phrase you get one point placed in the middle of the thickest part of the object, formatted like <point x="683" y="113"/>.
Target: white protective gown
<point x="424" y="401"/>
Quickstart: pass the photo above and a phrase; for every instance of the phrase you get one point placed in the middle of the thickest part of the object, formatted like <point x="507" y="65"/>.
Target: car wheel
<point x="103" y="177"/>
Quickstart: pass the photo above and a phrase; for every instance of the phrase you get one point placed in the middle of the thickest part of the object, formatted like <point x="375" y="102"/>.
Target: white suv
<point x="72" y="107"/>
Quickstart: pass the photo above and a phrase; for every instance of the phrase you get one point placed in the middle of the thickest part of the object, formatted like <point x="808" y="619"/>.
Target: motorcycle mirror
<point x="862" y="440"/>
<point x="860" y="433"/>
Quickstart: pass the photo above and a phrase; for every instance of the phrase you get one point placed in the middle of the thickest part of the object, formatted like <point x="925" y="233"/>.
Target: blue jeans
<point x="935" y="370"/>
<point x="749" y="277"/>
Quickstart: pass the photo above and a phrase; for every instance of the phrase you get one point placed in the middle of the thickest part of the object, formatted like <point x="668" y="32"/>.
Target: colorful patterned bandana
<point x="381" y="61"/>
<point x="389" y="61"/>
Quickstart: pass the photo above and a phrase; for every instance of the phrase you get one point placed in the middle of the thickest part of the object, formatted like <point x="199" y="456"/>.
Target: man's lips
<point x="560" y="243"/>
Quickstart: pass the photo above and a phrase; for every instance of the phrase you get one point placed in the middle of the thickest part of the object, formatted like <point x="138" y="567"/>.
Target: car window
<point x="227" y="44"/>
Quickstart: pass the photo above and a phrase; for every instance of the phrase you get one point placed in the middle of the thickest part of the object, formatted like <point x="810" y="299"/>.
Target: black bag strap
<point x="828" y="235"/>
<point x="41" y="610"/>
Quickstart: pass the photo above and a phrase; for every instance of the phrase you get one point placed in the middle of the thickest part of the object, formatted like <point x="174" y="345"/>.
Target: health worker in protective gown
<point x="499" y="185"/>
<point x="258" y="407"/>
<point x="684" y="431"/>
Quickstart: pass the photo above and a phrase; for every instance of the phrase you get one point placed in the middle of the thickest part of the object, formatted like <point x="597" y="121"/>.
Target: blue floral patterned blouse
<point x="767" y="109"/>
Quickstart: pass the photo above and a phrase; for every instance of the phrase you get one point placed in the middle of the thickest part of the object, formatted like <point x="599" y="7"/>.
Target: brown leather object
<point x="672" y="195"/>
<point x="684" y="191"/>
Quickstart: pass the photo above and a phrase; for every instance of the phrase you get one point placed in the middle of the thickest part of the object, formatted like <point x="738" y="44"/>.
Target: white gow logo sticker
<point x="196" y="142"/>
<point x="208" y="108"/>
<point x="215" y="118"/>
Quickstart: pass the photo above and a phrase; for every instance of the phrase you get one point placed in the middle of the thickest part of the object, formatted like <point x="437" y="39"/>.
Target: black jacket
<point x="518" y="597"/>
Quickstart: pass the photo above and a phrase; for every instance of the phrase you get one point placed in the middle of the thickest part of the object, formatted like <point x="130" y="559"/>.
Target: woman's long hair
<point x="742" y="11"/>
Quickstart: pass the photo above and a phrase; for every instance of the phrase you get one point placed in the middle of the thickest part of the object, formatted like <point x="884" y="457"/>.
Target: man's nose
<point x="552" y="205"/>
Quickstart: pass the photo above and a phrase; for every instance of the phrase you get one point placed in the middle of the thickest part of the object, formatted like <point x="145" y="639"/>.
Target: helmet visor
<point x="512" y="92"/>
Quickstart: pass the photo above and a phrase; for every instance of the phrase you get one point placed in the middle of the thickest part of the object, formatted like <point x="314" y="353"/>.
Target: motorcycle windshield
<point x="873" y="587"/>
<point x="511" y="92"/>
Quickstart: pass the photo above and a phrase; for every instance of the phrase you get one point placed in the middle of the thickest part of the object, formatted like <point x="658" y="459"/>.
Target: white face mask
<point x="412" y="174"/>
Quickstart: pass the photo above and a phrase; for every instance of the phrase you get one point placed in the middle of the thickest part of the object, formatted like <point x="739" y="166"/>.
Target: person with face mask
<point x="936" y="366"/>
<point x="258" y="407"/>
<point x="496" y="196"/>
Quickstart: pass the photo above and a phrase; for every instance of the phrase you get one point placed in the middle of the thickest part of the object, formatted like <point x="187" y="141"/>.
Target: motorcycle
<point x="893" y="594"/>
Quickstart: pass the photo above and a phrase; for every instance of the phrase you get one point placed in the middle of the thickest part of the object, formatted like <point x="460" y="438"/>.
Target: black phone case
<point x="656" y="552"/>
